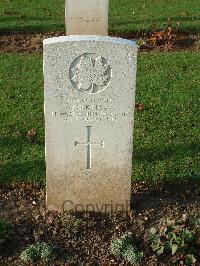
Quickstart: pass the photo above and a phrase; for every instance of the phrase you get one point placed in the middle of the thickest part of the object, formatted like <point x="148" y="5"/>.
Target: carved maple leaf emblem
<point x="91" y="74"/>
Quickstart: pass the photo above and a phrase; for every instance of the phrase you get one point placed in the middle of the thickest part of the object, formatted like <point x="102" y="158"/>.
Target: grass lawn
<point x="124" y="15"/>
<point x="166" y="137"/>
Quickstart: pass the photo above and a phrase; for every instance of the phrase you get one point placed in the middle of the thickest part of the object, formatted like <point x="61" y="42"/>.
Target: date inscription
<point x="89" y="110"/>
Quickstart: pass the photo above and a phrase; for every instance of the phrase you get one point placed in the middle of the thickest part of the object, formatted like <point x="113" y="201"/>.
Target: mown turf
<point x="166" y="137"/>
<point x="124" y="15"/>
<point x="21" y="93"/>
<point x="129" y="16"/>
<point x="167" y="133"/>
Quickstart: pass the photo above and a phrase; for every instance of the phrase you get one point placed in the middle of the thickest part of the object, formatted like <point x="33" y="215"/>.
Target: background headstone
<point x="89" y="105"/>
<point x="86" y="17"/>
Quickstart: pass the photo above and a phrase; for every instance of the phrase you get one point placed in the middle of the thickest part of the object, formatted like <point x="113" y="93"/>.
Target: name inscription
<point x="89" y="110"/>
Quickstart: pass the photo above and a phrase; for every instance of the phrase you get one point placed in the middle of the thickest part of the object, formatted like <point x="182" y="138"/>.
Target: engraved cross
<point x="89" y="144"/>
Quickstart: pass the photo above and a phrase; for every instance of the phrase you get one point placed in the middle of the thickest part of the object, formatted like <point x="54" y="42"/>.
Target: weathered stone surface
<point x="88" y="17"/>
<point x="89" y="105"/>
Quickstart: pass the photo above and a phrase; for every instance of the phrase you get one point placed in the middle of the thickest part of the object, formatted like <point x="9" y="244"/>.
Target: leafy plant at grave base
<point x="72" y="224"/>
<point x="194" y="222"/>
<point x="190" y="260"/>
<point x="176" y="238"/>
<point x="38" y="251"/>
<point x="5" y="231"/>
<point x="125" y="248"/>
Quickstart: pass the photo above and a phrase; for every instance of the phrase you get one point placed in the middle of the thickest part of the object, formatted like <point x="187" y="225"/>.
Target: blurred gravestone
<point x="86" y="17"/>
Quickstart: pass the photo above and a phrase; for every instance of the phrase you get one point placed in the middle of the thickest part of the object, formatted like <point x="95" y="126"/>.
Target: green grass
<point x="167" y="133"/>
<point x="129" y="16"/>
<point x="166" y="137"/>
<point x="21" y="95"/>
<point x="124" y="15"/>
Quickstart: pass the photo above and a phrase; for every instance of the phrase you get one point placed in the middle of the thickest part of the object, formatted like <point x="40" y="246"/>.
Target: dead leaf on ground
<point x="139" y="106"/>
<point x="31" y="134"/>
<point x="184" y="14"/>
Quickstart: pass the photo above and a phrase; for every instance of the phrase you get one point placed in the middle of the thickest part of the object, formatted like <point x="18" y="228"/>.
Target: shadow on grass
<point x="125" y="20"/>
<point x="29" y="25"/>
<point x="174" y="20"/>
<point x="33" y="24"/>
<point x="34" y="169"/>
<point x="161" y="153"/>
<point x="22" y="172"/>
<point x="22" y="165"/>
<point x="32" y="29"/>
<point x="22" y="18"/>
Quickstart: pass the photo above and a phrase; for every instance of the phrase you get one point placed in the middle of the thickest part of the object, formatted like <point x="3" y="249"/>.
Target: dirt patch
<point x="149" y="41"/>
<point x="24" y="42"/>
<point x="164" y="41"/>
<point x="85" y="237"/>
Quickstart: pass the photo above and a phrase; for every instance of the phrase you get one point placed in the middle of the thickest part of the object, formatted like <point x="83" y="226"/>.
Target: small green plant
<point x="194" y="222"/>
<point x="190" y="260"/>
<point x="38" y="251"/>
<point x="5" y="231"/>
<point x="72" y="224"/>
<point x="175" y="238"/>
<point x="125" y="248"/>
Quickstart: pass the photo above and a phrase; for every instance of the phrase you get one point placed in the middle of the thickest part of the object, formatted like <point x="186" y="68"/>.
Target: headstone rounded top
<point x="89" y="38"/>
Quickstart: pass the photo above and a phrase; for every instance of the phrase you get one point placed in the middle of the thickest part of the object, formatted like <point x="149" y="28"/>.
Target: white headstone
<point x="89" y="105"/>
<point x="86" y="17"/>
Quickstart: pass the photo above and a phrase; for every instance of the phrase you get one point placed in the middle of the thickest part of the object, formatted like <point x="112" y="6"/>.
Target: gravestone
<point x="88" y="17"/>
<point x="89" y="104"/>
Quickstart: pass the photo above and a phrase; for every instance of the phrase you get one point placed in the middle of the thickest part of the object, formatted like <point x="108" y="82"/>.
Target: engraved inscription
<point x="89" y="109"/>
<point x="80" y="19"/>
<point x="89" y="144"/>
<point x="91" y="73"/>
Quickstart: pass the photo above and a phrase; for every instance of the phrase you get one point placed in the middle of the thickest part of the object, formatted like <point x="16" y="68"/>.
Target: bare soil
<point x="166" y="40"/>
<point x="87" y="242"/>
